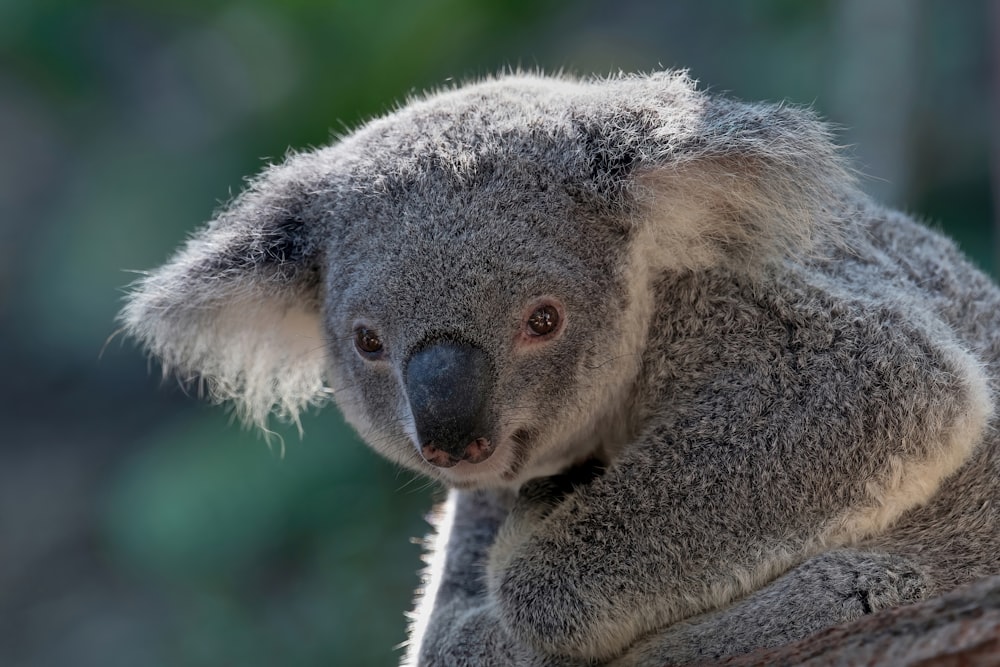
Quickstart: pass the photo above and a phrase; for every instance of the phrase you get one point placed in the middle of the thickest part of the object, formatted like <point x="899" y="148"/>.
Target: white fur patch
<point x="264" y="352"/>
<point x="908" y="484"/>
<point x="707" y="211"/>
<point x="430" y="579"/>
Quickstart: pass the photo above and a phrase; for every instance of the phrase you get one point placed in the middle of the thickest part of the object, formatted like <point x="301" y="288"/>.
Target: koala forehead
<point x="471" y="131"/>
<point x="519" y="134"/>
<point x="455" y="202"/>
<point x="445" y="258"/>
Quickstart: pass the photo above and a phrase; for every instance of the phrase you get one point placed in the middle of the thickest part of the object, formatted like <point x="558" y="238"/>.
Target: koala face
<point x="479" y="312"/>
<point x="470" y="276"/>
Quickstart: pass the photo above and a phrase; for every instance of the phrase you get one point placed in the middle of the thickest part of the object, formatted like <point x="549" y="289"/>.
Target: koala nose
<point x="449" y="387"/>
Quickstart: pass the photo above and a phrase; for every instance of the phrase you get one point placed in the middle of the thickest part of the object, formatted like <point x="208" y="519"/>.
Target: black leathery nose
<point x="448" y="384"/>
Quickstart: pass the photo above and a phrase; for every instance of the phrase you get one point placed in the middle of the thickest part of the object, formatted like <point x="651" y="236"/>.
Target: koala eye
<point x="368" y="342"/>
<point x="542" y="321"/>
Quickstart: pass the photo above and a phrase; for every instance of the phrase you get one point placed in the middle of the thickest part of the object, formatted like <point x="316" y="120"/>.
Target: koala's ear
<point x="238" y="307"/>
<point x="720" y="181"/>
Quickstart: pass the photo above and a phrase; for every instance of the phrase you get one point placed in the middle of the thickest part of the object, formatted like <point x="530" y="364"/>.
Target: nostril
<point x="437" y="457"/>
<point x="478" y="450"/>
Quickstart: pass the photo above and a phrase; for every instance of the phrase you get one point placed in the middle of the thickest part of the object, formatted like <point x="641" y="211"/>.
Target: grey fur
<point x="789" y="387"/>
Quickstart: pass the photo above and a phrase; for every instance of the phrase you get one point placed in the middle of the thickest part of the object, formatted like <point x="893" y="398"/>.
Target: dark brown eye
<point x="543" y="321"/>
<point x="367" y="341"/>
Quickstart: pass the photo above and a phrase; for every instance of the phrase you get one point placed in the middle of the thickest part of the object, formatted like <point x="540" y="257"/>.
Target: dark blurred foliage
<point x="140" y="527"/>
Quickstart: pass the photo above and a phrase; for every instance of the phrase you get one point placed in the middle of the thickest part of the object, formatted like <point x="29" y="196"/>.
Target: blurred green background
<point x="140" y="527"/>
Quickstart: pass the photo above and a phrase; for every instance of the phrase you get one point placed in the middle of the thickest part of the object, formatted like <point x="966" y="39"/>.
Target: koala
<point x="692" y="393"/>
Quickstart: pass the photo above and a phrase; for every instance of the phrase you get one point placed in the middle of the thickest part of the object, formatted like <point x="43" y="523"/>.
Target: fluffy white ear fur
<point x="237" y="308"/>
<point x="766" y="183"/>
<point x="250" y="342"/>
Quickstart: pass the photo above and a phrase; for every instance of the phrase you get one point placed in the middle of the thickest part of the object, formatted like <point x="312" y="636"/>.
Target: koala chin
<point x="692" y="392"/>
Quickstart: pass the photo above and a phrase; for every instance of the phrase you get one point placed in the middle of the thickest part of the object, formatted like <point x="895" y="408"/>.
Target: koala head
<point x="470" y="277"/>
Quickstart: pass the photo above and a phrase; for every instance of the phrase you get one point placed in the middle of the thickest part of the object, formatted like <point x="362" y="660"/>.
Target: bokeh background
<point x="140" y="527"/>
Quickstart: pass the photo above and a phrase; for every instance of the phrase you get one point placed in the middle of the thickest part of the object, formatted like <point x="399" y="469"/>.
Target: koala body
<point x="692" y="392"/>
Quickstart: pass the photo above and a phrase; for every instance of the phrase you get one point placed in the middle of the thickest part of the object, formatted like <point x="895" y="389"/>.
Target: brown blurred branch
<point x="961" y="628"/>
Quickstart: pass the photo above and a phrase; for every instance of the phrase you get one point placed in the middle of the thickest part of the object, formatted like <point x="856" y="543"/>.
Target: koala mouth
<point x="476" y="451"/>
<point x="512" y="454"/>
